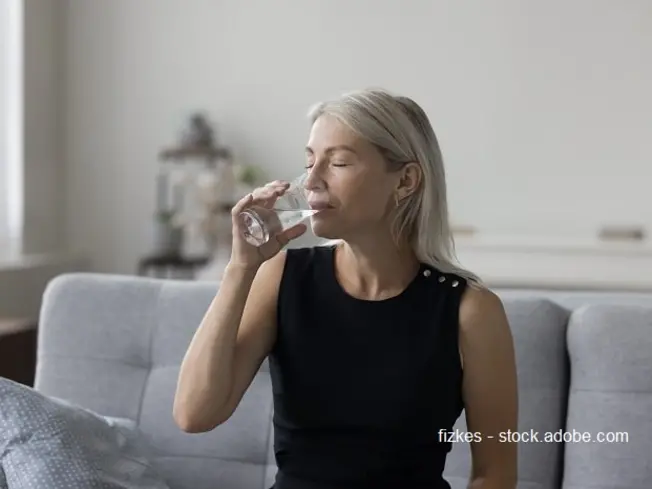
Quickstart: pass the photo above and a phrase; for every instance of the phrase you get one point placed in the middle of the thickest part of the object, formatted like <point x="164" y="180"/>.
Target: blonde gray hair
<point x="402" y="132"/>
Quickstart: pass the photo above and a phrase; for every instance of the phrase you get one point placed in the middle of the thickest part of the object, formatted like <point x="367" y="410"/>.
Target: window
<point x="11" y="208"/>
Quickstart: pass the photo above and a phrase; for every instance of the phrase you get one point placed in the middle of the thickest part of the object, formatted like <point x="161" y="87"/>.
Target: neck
<point x="375" y="268"/>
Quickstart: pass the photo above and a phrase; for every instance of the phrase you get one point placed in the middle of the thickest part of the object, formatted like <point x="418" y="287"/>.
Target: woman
<point x="377" y="342"/>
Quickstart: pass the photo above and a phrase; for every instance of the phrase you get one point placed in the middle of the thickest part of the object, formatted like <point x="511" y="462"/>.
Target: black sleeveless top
<point x="364" y="391"/>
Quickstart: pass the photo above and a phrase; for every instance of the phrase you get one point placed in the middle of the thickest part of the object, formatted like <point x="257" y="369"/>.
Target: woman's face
<point x="348" y="180"/>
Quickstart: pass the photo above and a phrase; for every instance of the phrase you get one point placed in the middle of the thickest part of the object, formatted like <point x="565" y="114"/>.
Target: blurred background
<point x="128" y="128"/>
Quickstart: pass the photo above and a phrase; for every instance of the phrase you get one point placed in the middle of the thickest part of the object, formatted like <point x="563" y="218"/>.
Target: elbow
<point x="188" y="425"/>
<point x="495" y="482"/>
<point x="184" y="420"/>
<point x="193" y="423"/>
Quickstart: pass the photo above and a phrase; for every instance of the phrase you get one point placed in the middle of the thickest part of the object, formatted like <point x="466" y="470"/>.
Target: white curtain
<point x="10" y="123"/>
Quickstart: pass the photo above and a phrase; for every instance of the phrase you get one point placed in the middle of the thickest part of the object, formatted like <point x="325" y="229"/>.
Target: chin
<point x="324" y="230"/>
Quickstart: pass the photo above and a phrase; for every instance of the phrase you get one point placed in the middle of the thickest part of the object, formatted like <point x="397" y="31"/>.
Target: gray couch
<point x="114" y="344"/>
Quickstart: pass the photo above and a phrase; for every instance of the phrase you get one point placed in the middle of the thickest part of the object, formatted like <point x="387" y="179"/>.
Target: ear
<point x="409" y="180"/>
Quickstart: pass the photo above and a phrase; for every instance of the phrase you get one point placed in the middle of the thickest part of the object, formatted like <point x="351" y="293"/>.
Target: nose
<point x="314" y="181"/>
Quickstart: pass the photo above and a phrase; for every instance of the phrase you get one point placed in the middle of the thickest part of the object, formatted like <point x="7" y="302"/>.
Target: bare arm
<point x="234" y="337"/>
<point x="489" y="388"/>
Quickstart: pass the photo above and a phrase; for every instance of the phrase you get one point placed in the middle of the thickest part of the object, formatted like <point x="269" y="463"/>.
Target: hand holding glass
<point x="262" y="223"/>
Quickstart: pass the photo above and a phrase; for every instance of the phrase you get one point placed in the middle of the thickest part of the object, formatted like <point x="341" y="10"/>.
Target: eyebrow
<point x="341" y="147"/>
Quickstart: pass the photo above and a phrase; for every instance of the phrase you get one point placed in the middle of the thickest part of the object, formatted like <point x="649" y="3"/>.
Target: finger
<point x="267" y="196"/>
<point x="242" y="204"/>
<point x="278" y="183"/>
<point x="278" y="189"/>
<point x="281" y="239"/>
<point x="266" y="192"/>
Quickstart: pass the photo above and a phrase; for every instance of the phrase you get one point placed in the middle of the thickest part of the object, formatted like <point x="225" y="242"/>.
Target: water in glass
<point x="289" y="210"/>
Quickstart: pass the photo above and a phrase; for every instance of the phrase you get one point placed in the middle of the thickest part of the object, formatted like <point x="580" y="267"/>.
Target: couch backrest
<point x="610" y="401"/>
<point x="114" y="344"/>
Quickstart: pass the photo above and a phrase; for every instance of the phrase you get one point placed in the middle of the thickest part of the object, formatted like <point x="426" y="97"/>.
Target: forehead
<point x="329" y="131"/>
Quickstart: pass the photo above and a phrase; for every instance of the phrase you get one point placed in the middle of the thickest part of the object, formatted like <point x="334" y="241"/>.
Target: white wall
<point x="23" y="281"/>
<point x="543" y="109"/>
<point x="23" y="278"/>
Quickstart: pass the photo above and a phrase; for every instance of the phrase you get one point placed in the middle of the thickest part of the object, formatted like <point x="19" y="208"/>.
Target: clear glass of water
<point x="289" y="210"/>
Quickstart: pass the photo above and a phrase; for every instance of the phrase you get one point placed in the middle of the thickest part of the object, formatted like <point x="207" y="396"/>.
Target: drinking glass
<point x="289" y="210"/>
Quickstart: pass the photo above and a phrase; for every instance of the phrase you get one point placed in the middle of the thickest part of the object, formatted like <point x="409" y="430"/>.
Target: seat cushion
<point x="610" y="349"/>
<point x="539" y="330"/>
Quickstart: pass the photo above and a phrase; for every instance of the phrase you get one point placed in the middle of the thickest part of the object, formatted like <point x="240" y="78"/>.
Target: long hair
<point x="402" y="132"/>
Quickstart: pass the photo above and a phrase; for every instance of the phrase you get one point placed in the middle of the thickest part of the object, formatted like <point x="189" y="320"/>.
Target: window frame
<point x="11" y="123"/>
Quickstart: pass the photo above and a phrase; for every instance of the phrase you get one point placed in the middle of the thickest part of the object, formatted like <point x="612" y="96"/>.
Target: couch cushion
<point x="574" y="299"/>
<point x="46" y="442"/>
<point x="610" y="350"/>
<point x="114" y="344"/>
<point x="539" y="330"/>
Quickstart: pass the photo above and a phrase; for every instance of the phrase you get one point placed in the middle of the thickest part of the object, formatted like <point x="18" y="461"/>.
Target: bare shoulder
<point x="481" y="311"/>
<point x="484" y="329"/>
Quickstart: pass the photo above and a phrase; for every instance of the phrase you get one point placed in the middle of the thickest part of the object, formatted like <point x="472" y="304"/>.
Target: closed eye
<point x="339" y="161"/>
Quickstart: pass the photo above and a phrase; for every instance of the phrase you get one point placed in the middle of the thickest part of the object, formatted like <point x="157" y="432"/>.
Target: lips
<point x="320" y="206"/>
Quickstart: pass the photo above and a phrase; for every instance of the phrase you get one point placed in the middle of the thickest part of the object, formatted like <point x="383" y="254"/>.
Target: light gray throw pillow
<point x="49" y="443"/>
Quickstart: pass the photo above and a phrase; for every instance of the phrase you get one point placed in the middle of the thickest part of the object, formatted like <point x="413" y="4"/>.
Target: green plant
<point x="249" y="175"/>
<point x="165" y="216"/>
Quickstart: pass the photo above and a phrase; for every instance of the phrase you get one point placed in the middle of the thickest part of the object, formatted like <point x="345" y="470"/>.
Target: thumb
<point x="291" y="233"/>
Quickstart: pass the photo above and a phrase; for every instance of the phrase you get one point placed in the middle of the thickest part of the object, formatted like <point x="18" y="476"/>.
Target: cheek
<point x="365" y="199"/>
